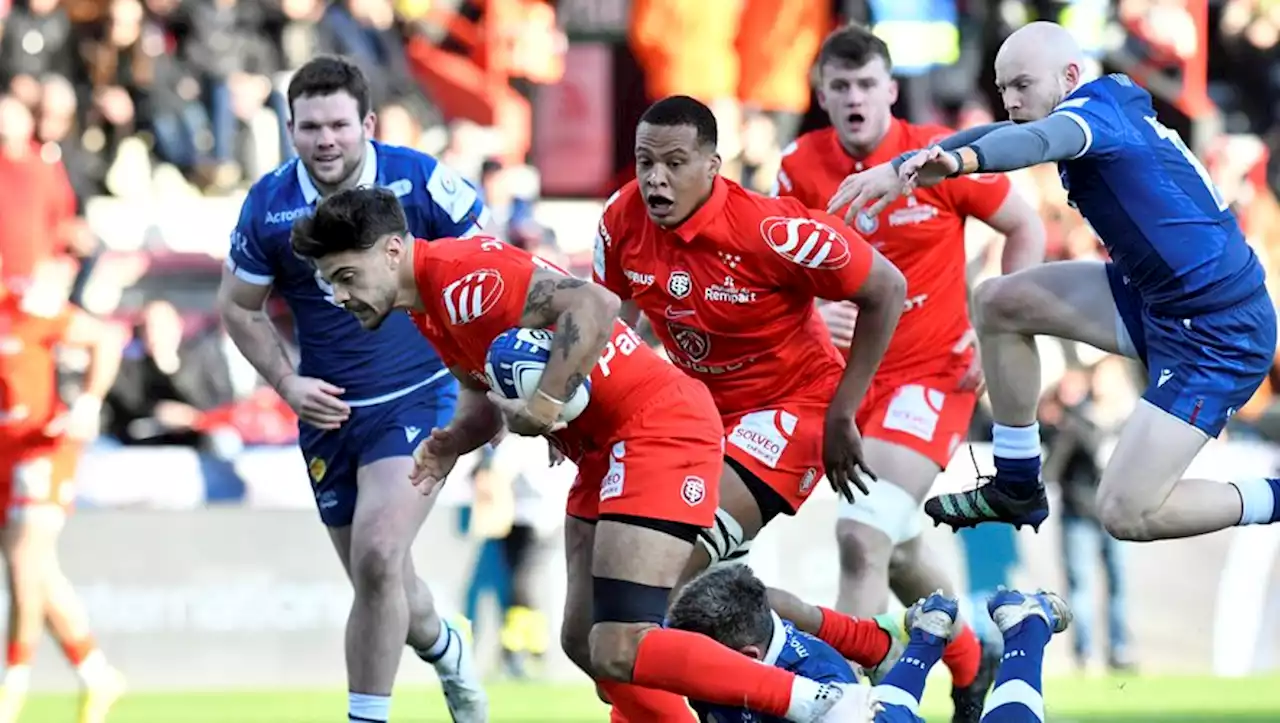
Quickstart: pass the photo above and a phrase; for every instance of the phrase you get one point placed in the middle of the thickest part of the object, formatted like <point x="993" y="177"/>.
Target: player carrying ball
<point x="648" y="446"/>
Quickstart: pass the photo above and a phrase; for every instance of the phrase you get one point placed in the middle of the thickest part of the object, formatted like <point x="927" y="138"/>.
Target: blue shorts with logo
<point x="378" y="431"/>
<point x="1201" y="368"/>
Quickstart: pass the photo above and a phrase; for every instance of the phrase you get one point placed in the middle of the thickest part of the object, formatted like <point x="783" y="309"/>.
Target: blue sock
<point x="1017" y="456"/>
<point x="1259" y="501"/>
<point x="366" y="708"/>
<point x="1018" y="696"/>
<point x="904" y="684"/>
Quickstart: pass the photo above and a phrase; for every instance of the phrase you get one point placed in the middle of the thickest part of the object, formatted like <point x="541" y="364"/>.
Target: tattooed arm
<point x="582" y="314"/>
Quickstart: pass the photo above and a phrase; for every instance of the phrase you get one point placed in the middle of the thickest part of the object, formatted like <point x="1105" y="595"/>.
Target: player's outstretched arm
<point x="475" y="419"/>
<point x="582" y="314"/>
<point x="956" y="140"/>
<point x="1015" y="146"/>
<point x="242" y="308"/>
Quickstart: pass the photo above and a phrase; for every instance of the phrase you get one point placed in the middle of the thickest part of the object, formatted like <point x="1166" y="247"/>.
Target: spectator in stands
<point x="366" y="31"/>
<point x="1079" y="422"/>
<point x="37" y="206"/>
<point x="38" y="40"/>
<point x="164" y="385"/>
<point x="58" y="131"/>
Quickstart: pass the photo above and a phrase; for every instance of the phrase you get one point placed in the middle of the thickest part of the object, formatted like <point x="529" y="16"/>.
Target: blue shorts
<point x="1203" y="368"/>
<point x="390" y="429"/>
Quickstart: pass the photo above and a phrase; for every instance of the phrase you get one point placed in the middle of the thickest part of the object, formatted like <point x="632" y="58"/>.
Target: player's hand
<point x="80" y="423"/>
<point x="872" y="190"/>
<point x="315" y="401"/>
<point x="554" y="456"/>
<point x="928" y="168"/>
<point x="842" y="456"/>
<point x="841" y="317"/>
<point x="973" y="380"/>
<point x="433" y="459"/>
<point x="520" y="420"/>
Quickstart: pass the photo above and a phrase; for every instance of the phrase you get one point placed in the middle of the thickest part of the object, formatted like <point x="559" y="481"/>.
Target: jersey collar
<point x="368" y="174"/>
<point x="888" y="149"/>
<point x="708" y="213"/>
<point x="777" y="642"/>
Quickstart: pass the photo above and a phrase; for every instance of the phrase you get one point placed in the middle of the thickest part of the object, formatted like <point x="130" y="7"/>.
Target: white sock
<point x="809" y="699"/>
<point x="92" y="668"/>
<point x="364" y="707"/>
<point x="17" y="677"/>
<point x="1258" y="501"/>
<point x="1016" y="442"/>
<point x="437" y="649"/>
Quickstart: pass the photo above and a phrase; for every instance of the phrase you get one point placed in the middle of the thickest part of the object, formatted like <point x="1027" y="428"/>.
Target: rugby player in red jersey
<point x="647" y="446"/>
<point x="922" y="398"/>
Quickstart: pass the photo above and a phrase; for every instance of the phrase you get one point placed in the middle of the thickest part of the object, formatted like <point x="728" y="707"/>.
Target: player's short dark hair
<point x="351" y="220"/>
<point x="327" y="75"/>
<point x="727" y="604"/>
<point x="851" y="46"/>
<point x="681" y="110"/>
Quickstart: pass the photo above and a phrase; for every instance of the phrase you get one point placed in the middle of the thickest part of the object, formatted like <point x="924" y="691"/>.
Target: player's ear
<point x="370" y="123"/>
<point x="1072" y="76"/>
<point x="714" y="166"/>
<point x="752" y="651"/>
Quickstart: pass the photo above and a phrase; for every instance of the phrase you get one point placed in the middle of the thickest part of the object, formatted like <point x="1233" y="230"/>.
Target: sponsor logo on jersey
<point x="764" y="434"/>
<point x="914" y="213"/>
<point x="637" y="278"/>
<point x="679" y="284"/>
<point x="729" y="293"/>
<point x="472" y="296"/>
<point x="289" y="216"/>
<point x="806" y="242"/>
<point x="866" y="224"/>
<point x="806" y="482"/>
<point x="695" y="343"/>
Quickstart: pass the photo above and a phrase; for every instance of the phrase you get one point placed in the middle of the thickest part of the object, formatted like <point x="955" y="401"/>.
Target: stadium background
<point x="197" y="547"/>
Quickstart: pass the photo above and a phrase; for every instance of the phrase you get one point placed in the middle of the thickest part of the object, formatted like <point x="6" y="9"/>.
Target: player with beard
<point x="922" y="398"/>
<point x="647" y="445"/>
<point x="364" y="399"/>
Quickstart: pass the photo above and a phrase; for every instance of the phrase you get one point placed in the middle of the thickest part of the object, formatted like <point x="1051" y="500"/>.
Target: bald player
<point x="1182" y="292"/>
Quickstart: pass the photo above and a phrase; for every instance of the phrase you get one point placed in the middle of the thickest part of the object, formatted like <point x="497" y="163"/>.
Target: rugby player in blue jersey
<point x="1183" y="292"/>
<point x="729" y="604"/>
<point x="364" y="398"/>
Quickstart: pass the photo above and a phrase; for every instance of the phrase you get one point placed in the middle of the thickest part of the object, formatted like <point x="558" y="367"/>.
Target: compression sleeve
<point x="1055" y="138"/>
<point x="959" y="139"/>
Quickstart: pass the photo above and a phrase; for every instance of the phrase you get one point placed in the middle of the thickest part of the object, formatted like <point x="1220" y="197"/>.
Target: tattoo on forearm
<point x="567" y="334"/>
<point x="571" y="386"/>
<point x="539" y="304"/>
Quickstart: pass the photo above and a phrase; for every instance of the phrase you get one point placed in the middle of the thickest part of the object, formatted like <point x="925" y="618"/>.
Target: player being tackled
<point x="1183" y="293"/>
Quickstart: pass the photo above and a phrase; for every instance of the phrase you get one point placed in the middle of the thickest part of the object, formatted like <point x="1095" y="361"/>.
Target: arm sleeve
<point x="248" y="260"/>
<point x="959" y="139"/>
<point x="455" y="209"/>
<point x="1055" y="138"/>
<point x="821" y="255"/>
<point x="605" y="269"/>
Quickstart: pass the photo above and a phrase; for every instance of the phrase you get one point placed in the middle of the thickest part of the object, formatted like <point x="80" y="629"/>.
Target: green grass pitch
<point x="1139" y="699"/>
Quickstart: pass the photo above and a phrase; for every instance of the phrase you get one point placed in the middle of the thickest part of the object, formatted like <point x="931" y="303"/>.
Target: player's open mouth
<point x="855" y="119"/>
<point x="658" y="204"/>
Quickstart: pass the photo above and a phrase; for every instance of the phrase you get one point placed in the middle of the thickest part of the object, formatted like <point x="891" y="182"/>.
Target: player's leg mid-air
<point x="1186" y="298"/>
<point x="1027" y="622"/>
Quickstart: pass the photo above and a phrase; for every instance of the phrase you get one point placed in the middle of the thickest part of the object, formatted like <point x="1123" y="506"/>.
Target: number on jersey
<point x="1168" y="134"/>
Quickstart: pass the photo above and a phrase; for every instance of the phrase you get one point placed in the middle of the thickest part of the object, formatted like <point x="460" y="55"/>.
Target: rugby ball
<point x="514" y="367"/>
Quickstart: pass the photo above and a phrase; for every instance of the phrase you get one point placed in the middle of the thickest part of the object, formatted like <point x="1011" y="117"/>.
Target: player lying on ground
<point x="731" y="605"/>
<point x="363" y="399"/>
<point x="41" y="441"/>
<point x="922" y="397"/>
<point x="647" y="444"/>
<point x="1183" y="292"/>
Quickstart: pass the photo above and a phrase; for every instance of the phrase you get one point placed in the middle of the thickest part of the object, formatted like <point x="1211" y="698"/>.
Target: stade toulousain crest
<point x="679" y="284"/>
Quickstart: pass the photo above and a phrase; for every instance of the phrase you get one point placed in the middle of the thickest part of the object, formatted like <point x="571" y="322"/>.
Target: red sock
<point x="962" y="657"/>
<point x="19" y="654"/>
<point x="701" y="669"/>
<point x="631" y="703"/>
<point x="78" y="650"/>
<point x="861" y="640"/>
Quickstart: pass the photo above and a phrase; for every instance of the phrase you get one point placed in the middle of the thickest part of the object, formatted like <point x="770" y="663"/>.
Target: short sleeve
<point x="789" y="181"/>
<point x="979" y="195"/>
<point x="1097" y="115"/>
<point x="818" y="252"/>
<point x="454" y="209"/>
<point x="248" y="260"/>
<point x="482" y="287"/>
<point x="605" y="269"/>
